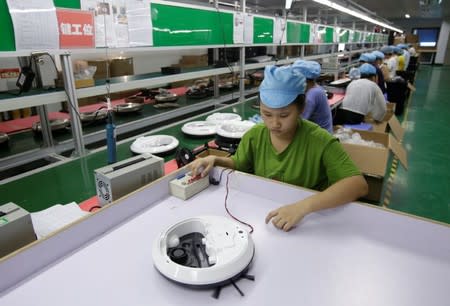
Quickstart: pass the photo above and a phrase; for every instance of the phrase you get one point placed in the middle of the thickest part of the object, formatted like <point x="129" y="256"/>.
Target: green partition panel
<point x="262" y="30"/>
<point x="344" y="36"/>
<point x="357" y="36"/>
<point x="305" y="32"/>
<point x="7" y="41"/>
<point x="329" y="35"/>
<point x="183" y="26"/>
<point x="293" y="32"/>
<point x="73" y="4"/>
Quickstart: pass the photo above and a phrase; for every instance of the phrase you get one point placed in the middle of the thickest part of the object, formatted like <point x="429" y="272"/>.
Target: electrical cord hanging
<point x="225" y="49"/>
<point x="230" y="171"/>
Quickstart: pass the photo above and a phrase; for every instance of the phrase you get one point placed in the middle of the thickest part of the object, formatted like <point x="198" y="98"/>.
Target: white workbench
<point x="353" y="255"/>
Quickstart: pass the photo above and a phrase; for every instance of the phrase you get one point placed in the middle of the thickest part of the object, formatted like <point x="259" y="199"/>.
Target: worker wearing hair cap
<point x="381" y="64"/>
<point x="293" y="150"/>
<point x="354" y="73"/>
<point x="400" y="58"/>
<point x="317" y="108"/>
<point x="406" y="54"/>
<point x="391" y="61"/>
<point x="367" y="58"/>
<point x="362" y="97"/>
<point x="379" y="56"/>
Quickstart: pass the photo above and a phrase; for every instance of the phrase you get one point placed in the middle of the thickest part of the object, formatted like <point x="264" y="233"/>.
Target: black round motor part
<point x="178" y="255"/>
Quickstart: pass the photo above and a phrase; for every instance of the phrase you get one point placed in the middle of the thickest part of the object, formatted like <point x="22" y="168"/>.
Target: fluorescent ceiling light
<point x="407" y="16"/>
<point x="355" y="14"/>
<point x="288" y="4"/>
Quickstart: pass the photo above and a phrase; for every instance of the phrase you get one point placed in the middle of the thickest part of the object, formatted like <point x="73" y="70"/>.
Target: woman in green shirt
<point x="292" y="150"/>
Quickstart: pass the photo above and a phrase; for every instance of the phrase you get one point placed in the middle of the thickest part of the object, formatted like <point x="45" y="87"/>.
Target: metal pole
<point x="242" y="64"/>
<point x="305" y="15"/>
<point x="45" y="125"/>
<point x="216" y="58"/>
<point x="69" y="85"/>
<point x="334" y="50"/>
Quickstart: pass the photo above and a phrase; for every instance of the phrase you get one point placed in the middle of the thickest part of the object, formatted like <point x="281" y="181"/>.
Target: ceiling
<point x="388" y="11"/>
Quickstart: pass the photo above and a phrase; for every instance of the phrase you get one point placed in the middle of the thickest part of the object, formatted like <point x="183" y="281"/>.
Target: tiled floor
<point x="424" y="189"/>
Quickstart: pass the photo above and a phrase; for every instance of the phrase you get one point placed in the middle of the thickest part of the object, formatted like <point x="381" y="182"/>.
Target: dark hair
<point x="367" y="76"/>
<point x="300" y="101"/>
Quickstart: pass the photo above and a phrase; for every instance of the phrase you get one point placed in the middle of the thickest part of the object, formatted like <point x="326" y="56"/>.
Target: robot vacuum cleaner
<point x="4" y="139"/>
<point x="219" y="118"/>
<point x="204" y="252"/>
<point x="199" y="128"/>
<point x="230" y="133"/>
<point x="56" y="125"/>
<point x="154" y="144"/>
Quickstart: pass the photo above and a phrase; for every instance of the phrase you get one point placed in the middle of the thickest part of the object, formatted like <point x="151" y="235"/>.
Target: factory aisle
<point x="424" y="189"/>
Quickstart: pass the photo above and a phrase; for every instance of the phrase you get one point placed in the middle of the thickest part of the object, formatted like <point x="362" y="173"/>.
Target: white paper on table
<point x="279" y="31"/>
<point x="238" y="28"/>
<point x="35" y="24"/>
<point x="140" y="29"/>
<point x="56" y="217"/>
<point x="248" y="29"/>
<point x="105" y="35"/>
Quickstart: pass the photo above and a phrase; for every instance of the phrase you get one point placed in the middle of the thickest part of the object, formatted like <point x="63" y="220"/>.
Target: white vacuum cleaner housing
<point x="203" y="252"/>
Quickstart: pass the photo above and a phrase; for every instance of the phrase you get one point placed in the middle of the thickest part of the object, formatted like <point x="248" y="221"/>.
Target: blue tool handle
<point x="111" y="141"/>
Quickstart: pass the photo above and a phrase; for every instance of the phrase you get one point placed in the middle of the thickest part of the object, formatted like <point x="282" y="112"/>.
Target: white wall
<point x="443" y="42"/>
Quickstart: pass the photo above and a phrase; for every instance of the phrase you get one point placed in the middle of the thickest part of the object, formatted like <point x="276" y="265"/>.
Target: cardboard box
<point x="213" y="152"/>
<point x="101" y="65"/>
<point x="121" y="66"/>
<point x="389" y="123"/>
<point x="84" y="83"/>
<point x="373" y="162"/>
<point x="191" y="61"/>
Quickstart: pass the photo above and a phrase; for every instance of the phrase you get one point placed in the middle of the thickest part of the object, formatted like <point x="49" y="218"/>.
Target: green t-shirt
<point x="314" y="159"/>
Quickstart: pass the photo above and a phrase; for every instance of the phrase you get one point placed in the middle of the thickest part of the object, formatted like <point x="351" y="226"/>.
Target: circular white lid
<point x="220" y="118"/>
<point x="234" y="129"/>
<point x="199" y="128"/>
<point x="154" y="144"/>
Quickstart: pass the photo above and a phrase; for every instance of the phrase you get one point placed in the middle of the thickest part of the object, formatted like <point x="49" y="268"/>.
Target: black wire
<point x="65" y="90"/>
<point x="282" y="35"/>
<point x="225" y="49"/>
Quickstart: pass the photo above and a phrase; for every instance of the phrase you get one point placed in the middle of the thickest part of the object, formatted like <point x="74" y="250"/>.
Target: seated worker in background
<point x="371" y="58"/>
<point x="292" y="150"/>
<point x="391" y="62"/>
<point x="362" y="97"/>
<point x="406" y="54"/>
<point x="317" y="109"/>
<point x="378" y="64"/>
<point x="400" y="58"/>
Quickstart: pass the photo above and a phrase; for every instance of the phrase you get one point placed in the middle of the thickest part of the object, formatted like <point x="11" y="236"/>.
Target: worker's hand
<point x="286" y="217"/>
<point x="202" y="166"/>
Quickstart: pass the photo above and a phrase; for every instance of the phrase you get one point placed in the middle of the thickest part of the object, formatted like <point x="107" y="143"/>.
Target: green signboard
<point x="182" y="26"/>
<point x="262" y="30"/>
<point x="293" y="32"/>
<point x="305" y="32"/>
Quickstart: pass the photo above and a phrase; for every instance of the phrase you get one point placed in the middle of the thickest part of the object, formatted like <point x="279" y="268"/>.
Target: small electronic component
<point x="186" y="185"/>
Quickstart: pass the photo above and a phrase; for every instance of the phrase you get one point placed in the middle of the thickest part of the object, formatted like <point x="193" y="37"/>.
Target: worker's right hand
<point x="202" y="166"/>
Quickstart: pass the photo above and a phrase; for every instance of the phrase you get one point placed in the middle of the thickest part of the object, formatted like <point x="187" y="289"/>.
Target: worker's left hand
<point x="286" y="217"/>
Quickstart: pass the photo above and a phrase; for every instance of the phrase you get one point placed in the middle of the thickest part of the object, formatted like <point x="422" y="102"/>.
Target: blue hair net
<point x="367" y="57"/>
<point x="354" y="73"/>
<point x="310" y="69"/>
<point x="378" y="54"/>
<point x="387" y="50"/>
<point x="367" y="69"/>
<point x="281" y="85"/>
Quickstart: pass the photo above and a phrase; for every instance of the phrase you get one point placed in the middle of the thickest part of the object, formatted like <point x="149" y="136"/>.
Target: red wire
<point x="226" y="205"/>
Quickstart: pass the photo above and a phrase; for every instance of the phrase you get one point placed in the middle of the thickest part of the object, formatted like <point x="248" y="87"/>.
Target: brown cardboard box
<point x="213" y="152"/>
<point x="389" y="123"/>
<point x="121" y="66"/>
<point x="373" y="162"/>
<point x="190" y="61"/>
<point x="412" y="39"/>
<point x="101" y="65"/>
